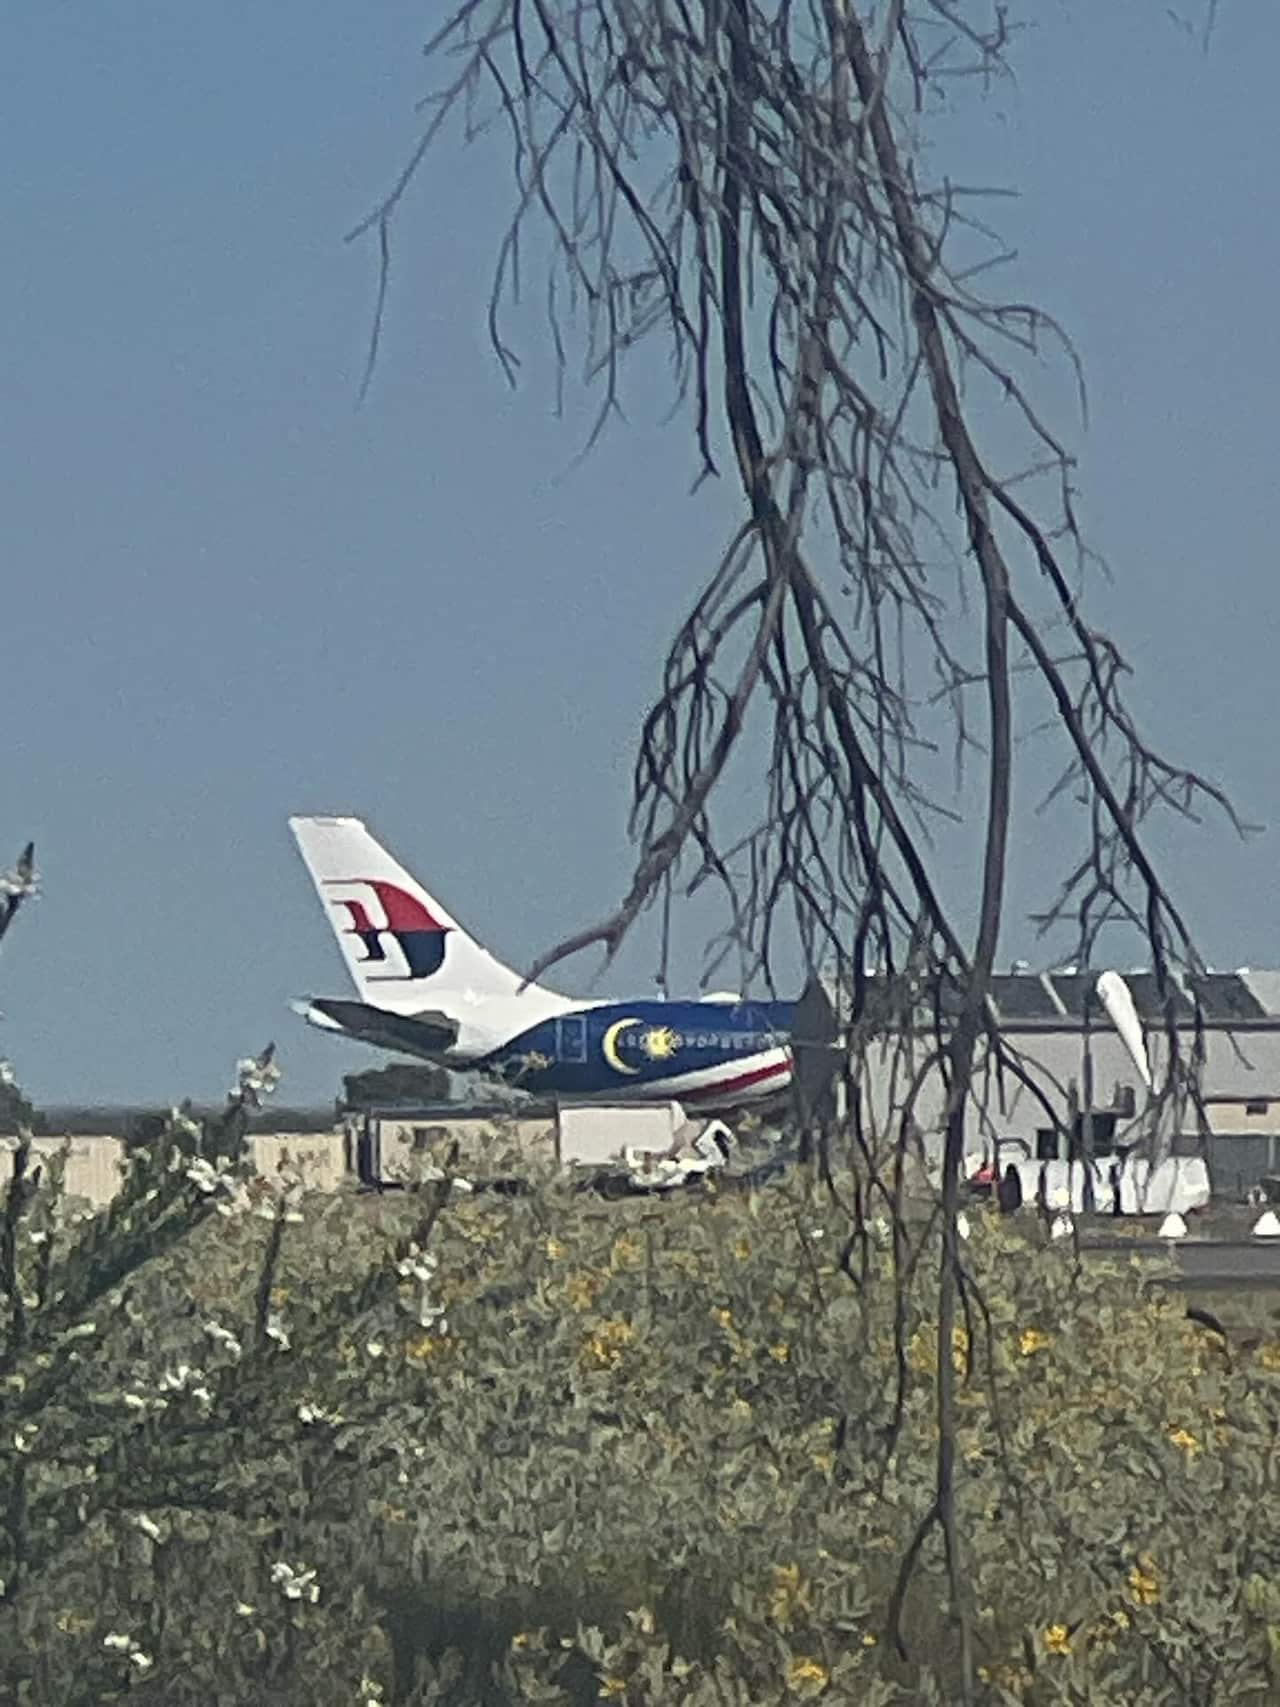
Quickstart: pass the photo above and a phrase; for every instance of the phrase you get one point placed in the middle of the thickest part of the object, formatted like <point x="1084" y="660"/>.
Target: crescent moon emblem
<point x="609" y="1045"/>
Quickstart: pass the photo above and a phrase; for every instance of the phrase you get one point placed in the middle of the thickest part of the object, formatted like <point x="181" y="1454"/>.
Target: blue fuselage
<point x="704" y="1052"/>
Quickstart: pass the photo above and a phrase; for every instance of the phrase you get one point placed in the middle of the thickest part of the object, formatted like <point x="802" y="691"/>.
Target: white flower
<point x="177" y="1380"/>
<point x="202" y="1175"/>
<point x="147" y="1525"/>
<point x="277" y="1331"/>
<point x="135" y="1402"/>
<point x="307" y="1413"/>
<point x="375" y="1348"/>
<point x="295" y="1585"/>
<point x="180" y="1122"/>
<point x="462" y="1185"/>
<point x="22" y="1439"/>
<point x="416" y="1268"/>
<point x="126" y="1645"/>
<point x="244" y="1609"/>
<point x="255" y="1079"/>
<point x="39" y="1238"/>
<point x="224" y="1337"/>
<point x="20" y="881"/>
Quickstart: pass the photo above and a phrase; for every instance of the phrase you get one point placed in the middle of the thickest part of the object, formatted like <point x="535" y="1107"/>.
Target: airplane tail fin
<point x="402" y="949"/>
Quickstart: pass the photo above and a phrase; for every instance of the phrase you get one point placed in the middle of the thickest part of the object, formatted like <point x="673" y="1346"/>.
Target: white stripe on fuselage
<point x="747" y="1078"/>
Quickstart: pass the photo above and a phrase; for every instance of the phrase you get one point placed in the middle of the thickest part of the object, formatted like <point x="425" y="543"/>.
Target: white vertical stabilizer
<point x="404" y="951"/>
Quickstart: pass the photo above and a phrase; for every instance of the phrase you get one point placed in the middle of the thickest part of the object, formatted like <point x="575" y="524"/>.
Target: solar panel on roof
<point x="1072" y="988"/>
<point x="1021" y="995"/>
<point x="1225" y="995"/>
<point x="1145" y="989"/>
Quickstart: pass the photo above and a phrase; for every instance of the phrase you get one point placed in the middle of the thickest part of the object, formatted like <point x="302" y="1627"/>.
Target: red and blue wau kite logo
<point x="419" y="936"/>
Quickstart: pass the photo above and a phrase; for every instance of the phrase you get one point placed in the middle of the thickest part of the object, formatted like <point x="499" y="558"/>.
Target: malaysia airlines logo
<point x="419" y="937"/>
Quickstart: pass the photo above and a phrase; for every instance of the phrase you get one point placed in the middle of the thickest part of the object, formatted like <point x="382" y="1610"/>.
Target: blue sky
<point x="230" y="593"/>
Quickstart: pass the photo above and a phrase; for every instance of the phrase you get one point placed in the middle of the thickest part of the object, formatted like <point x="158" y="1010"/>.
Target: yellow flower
<point x="788" y="1595"/>
<point x="780" y="1352"/>
<point x="1144" y="1581"/>
<point x="554" y="1249"/>
<point x="721" y="1317"/>
<point x="1184" y="1441"/>
<point x="808" y="1671"/>
<point x="824" y="1461"/>
<point x="742" y="1249"/>
<point x="522" y="1638"/>
<point x="1269" y="1357"/>
<point x="605" y="1346"/>
<point x="612" y="1687"/>
<point x="868" y="1640"/>
<point x="1013" y="1679"/>
<point x="74" y="1623"/>
<point x="423" y="1347"/>
<point x="1030" y="1342"/>
<point x="627" y="1252"/>
<point x="741" y="1407"/>
<point x="1057" y="1639"/>
<point x="581" y="1288"/>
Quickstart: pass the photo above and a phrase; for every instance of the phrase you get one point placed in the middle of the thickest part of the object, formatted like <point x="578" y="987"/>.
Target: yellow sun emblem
<point x="659" y="1043"/>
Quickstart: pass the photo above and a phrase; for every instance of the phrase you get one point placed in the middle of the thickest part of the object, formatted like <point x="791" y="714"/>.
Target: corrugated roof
<point x="1028" y="998"/>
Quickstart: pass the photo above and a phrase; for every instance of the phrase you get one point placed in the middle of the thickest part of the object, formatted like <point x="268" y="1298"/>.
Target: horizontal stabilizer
<point x="427" y="1035"/>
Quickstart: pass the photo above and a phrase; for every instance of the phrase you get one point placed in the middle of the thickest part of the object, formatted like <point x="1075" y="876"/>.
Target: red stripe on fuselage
<point x="740" y="1083"/>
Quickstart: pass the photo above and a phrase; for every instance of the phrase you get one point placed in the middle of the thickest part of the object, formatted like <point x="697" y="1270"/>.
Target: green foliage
<point x="400" y="1082"/>
<point x="17" y="1113"/>
<point x="449" y="1448"/>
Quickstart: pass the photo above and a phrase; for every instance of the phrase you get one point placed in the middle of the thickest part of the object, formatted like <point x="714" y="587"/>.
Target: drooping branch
<point x="747" y="181"/>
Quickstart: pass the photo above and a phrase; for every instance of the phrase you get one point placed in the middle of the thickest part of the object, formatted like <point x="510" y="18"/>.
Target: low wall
<point x="95" y="1163"/>
<point x="95" y="1166"/>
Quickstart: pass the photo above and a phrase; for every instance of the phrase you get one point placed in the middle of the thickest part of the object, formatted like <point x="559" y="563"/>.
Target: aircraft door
<point x="571" y="1039"/>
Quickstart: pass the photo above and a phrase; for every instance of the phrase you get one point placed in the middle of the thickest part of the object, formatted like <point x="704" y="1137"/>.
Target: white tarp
<point x="1177" y="1185"/>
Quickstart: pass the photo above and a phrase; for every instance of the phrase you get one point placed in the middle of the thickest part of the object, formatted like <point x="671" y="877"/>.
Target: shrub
<point x="447" y="1447"/>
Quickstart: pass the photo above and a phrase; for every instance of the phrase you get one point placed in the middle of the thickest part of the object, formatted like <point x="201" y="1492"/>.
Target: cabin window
<point x="1046" y="1144"/>
<point x="1257" y="1109"/>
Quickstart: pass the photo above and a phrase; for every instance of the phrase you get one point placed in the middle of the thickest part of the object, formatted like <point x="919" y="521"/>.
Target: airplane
<point x="428" y="989"/>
